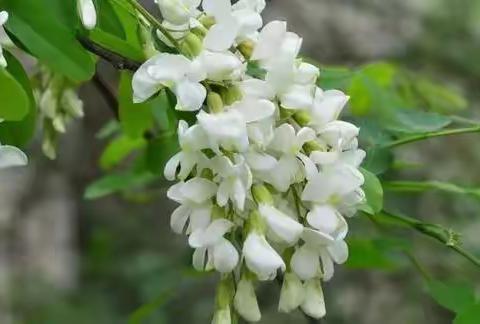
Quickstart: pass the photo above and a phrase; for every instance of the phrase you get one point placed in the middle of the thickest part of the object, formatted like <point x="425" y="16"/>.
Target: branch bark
<point x="118" y="61"/>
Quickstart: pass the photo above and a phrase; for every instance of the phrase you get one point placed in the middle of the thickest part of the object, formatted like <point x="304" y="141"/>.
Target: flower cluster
<point x="267" y="174"/>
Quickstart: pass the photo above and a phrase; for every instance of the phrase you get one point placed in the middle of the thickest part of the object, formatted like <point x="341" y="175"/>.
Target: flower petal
<point x="254" y="110"/>
<point x="171" y="167"/>
<point x="221" y="36"/>
<point x="199" y="259"/>
<point x="245" y="301"/>
<point x="324" y="218"/>
<point x="314" y="302"/>
<point x="292" y="293"/>
<point x="179" y="218"/>
<point x="280" y="224"/>
<point x="190" y="95"/>
<point x="261" y="258"/>
<point x="305" y="263"/>
<point x="225" y="256"/>
<point x="269" y="39"/>
<point x="198" y="190"/>
<point x="11" y="156"/>
<point x="339" y="252"/>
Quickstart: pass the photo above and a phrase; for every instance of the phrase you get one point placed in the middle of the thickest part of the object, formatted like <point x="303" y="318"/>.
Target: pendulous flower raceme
<point x="267" y="175"/>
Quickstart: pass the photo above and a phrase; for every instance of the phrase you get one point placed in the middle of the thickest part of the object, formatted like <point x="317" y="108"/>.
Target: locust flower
<point x="87" y="13"/>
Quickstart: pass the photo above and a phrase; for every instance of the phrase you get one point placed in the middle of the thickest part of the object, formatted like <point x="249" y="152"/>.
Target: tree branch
<point x="118" y="61"/>
<point x="446" y="236"/>
<point x="107" y="94"/>
<point x="424" y="136"/>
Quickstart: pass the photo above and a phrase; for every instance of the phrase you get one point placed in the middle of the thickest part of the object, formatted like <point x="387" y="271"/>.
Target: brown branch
<point x="118" y="61"/>
<point x="107" y="94"/>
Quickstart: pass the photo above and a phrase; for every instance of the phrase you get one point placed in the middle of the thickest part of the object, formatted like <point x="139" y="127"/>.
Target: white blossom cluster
<point x="267" y="174"/>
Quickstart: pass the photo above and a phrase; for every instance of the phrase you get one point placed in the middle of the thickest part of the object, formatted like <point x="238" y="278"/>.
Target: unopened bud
<point x="200" y="31"/>
<point x="58" y="124"/>
<point x="303" y="118"/>
<point x="262" y="195"/>
<point x="231" y="95"/>
<point x="49" y="144"/>
<point x="245" y="301"/>
<point x="292" y="294"/>
<point x="207" y="21"/>
<point x="191" y="45"/>
<point x="246" y="48"/>
<point x="48" y="103"/>
<point x="312" y="146"/>
<point x="214" y="102"/>
<point x="72" y="105"/>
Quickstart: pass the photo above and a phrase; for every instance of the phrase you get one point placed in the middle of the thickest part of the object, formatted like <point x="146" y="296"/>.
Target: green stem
<point x="439" y="233"/>
<point x="152" y="20"/>
<point x="421" y="186"/>
<point x="425" y="136"/>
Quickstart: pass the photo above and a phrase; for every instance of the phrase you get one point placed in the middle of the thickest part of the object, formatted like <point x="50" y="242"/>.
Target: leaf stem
<point x="152" y="20"/>
<point x="420" y="186"/>
<point x="425" y="136"/>
<point x="437" y="232"/>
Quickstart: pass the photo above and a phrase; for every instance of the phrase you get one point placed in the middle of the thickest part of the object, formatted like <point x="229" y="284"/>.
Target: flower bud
<point x="87" y="13"/>
<point x="262" y="195"/>
<point x="231" y="95"/>
<point x="246" y="48"/>
<point x="214" y="102"/>
<point x="48" y="103"/>
<point x="245" y="301"/>
<point x="58" y="124"/>
<point x="207" y="21"/>
<point x="312" y="146"/>
<point x="191" y="45"/>
<point x="314" y="303"/>
<point x="72" y="105"/>
<point x="223" y="299"/>
<point x="222" y="316"/>
<point x="303" y="118"/>
<point x="292" y="293"/>
<point x="49" y="144"/>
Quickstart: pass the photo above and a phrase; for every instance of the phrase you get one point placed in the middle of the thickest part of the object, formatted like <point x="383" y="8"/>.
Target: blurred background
<point x="114" y="260"/>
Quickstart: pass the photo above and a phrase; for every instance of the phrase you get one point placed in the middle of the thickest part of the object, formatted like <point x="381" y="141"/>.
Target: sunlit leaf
<point x="119" y="149"/>
<point x="13" y="98"/>
<point x="469" y="315"/>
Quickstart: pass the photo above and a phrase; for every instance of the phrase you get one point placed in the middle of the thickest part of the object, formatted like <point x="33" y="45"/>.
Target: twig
<point x="424" y="136"/>
<point x="439" y="233"/>
<point x="118" y="61"/>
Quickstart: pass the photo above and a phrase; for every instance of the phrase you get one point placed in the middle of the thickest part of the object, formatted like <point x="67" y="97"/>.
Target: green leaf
<point x="470" y="315"/>
<point x="335" y="77"/>
<point x="440" y="98"/>
<point x="48" y="38"/>
<point x="454" y="296"/>
<point x="364" y="254"/>
<point x="413" y="121"/>
<point x="378" y="160"/>
<point x="116" y="45"/>
<point x="373" y="193"/>
<point x="19" y="133"/>
<point x="160" y="150"/>
<point x="14" y="100"/>
<point x="116" y="183"/>
<point x="118" y="150"/>
<point x="108" y="20"/>
<point x="135" y="119"/>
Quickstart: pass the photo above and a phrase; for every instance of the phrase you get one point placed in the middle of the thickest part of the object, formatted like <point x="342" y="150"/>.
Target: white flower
<point x="3" y="20"/>
<point x="306" y="73"/>
<point x="292" y="293"/>
<point x="178" y="12"/>
<point x="281" y="225"/>
<point x="245" y="301"/>
<point x="220" y="66"/>
<point x="314" y="302"/>
<point x="327" y="107"/>
<point x="227" y="129"/>
<point x="287" y="143"/>
<point x="194" y="197"/>
<point x="222" y="255"/>
<point x="235" y="180"/>
<point x="10" y="156"/>
<point x="255" y="5"/>
<point x="305" y="261"/>
<point x="230" y="24"/>
<point x="276" y="44"/>
<point x="191" y="141"/>
<point x="332" y="183"/>
<point x="87" y="13"/>
<point x="261" y="258"/>
<point x="176" y="72"/>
